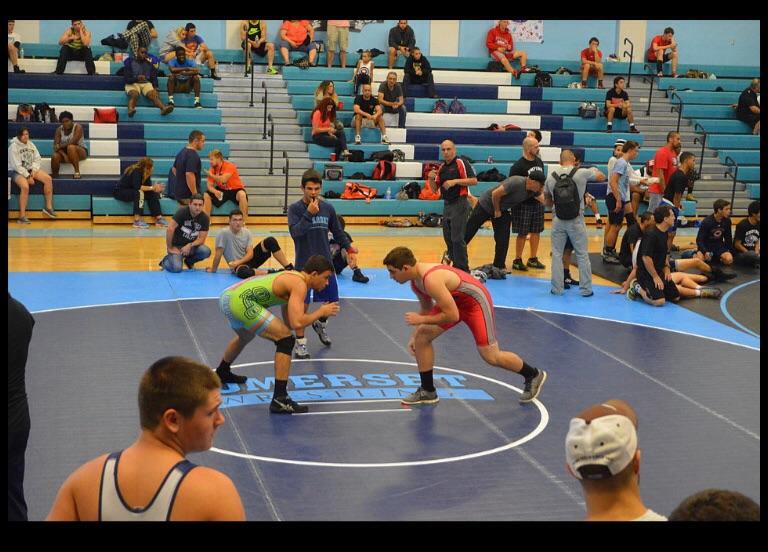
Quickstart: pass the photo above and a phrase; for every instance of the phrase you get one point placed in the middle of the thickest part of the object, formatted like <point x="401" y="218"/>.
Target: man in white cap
<point x="601" y="452"/>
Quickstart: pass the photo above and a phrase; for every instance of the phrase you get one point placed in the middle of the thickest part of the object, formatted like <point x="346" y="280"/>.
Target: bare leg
<point x="207" y="204"/>
<point x="520" y="245"/>
<point x="270" y="54"/>
<point x="534" y="239"/>
<point x="422" y="341"/>
<point x="330" y="54"/>
<point x="391" y="58"/>
<point x="45" y="178"/>
<point x="343" y="57"/>
<point x="75" y="154"/>
<point x="133" y="97"/>
<point x="242" y="202"/>
<point x="56" y="160"/>
<point x="281" y="258"/>
<point x="23" y="185"/>
<point x="502" y="359"/>
<point x="284" y="53"/>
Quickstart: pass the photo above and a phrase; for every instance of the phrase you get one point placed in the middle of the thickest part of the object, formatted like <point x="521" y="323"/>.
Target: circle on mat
<point x="453" y="385"/>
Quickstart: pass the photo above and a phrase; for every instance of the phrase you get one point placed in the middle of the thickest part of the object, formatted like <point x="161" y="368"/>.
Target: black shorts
<point x="669" y="292"/>
<point x="227" y="195"/>
<point x="717" y="252"/>
<point x="261" y="51"/>
<point x="667" y="57"/>
<point x="528" y="218"/>
<point x="750" y="118"/>
<point x="617" y="113"/>
<point x="610" y="204"/>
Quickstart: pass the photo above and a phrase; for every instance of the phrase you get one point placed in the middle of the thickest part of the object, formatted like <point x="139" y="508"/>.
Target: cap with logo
<point x="535" y="173"/>
<point x="602" y="447"/>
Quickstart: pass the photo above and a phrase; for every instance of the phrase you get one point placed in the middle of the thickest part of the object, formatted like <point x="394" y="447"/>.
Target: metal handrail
<point x="678" y="107"/>
<point x="286" y="168"/>
<point x="265" y="101"/>
<point x="650" y="90"/>
<point x="730" y="163"/>
<point x="271" y="144"/>
<point x="631" y="55"/>
<point x="703" y="141"/>
<point x="245" y="60"/>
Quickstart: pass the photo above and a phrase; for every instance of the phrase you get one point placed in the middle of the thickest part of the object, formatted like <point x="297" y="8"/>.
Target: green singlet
<point x="245" y="303"/>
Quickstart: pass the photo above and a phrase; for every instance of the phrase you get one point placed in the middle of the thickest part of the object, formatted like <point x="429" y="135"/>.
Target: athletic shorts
<point x="498" y="56"/>
<point x="227" y="195"/>
<point x="477" y="313"/>
<point x="669" y="292"/>
<point x="329" y="294"/>
<point x="244" y="312"/>
<point x="143" y="88"/>
<point x="667" y="57"/>
<point x="617" y="113"/>
<point x="338" y="37"/>
<point x="183" y="86"/>
<point x="527" y="218"/>
<point x="610" y="204"/>
<point x="717" y="251"/>
<point x="261" y="51"/>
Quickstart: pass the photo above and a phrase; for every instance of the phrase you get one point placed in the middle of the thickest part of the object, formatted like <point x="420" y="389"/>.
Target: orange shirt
<point x="296" y="32"/>
<point x="234" y="182"/>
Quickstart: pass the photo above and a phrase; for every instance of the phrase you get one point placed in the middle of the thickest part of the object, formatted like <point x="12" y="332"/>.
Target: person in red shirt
<point x="592" y="63"/>
<point x="224" y="185"/>
<point x="664" y="166"/>
<point x="658" y="51"/>
<point x="501" y="48"/>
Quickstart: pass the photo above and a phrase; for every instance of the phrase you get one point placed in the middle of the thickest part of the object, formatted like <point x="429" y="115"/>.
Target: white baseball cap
<point x="600" y="448"/>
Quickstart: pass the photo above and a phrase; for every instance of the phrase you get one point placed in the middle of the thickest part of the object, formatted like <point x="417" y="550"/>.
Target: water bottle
<point x="490" y="159"/>
<point x="388" y="195"/>
<point x="21" y="52"/>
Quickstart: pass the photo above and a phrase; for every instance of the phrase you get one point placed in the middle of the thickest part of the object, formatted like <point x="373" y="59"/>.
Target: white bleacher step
<point x="294" y="173"/>
<point x="473" y="121"/>
<point x="73" y="67"/>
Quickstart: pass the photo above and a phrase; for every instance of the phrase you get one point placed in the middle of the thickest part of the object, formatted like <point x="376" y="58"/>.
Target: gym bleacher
<point x="488" y="97"/>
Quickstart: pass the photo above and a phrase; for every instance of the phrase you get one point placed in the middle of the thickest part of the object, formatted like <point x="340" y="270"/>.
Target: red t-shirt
<point x="667" y="160"/>
<point x="496" y="39"/>
<point x="587" y="54"/>
<point x="657" y="41"/>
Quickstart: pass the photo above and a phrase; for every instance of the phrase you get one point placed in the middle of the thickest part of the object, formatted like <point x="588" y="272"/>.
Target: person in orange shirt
<point x="592" y="63"/>
<point x="297" y="36"/>
<point x="224" y="185"/>
<point x="658" y="51"/>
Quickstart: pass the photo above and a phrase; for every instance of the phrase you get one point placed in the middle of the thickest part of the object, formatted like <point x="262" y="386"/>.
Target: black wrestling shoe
<point x="229" y="377"/>
<point x="286" y="405"/>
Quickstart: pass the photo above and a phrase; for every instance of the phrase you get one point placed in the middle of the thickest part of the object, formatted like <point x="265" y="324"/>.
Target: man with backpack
<point x="564" y="190"/>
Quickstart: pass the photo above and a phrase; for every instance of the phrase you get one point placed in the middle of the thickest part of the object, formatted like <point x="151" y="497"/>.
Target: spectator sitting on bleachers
<point x="617" y="105"/>
<point x="185" y="236"/>
<point x="136" y="186"/>
<point x="24" y="160"/>
<point x="746" y="242"/>
<point x="184" y="75"/>
<point x="325" y="132"/>
<point x="714" y="240"/>
<point x="363" y="73"/>
<point x="592" y="63"/>
<point x="401" y="41"/>
<point x="341" y="259"/>
<point x="326" y="89"/>
<point x="392" y="98"/>
<point x="418" y="71"/>
<point x="14" y="46"/>
<point x="173" y="40"/>
<point x="141" y="79"/>
<point x="368" y="113"/>
<point x="254" y="31"/>
<point x="501" y="48"/>
<point x="297" y="36"/>
<point x="224" y="185"/>
<point x="68" y="145"/>
<point x="657" y="51"/>
<point x="76" y="44"/>
<point x="198" y="50"/>
<point x="528" y="216"/>
<point x="748" y="108"/>
<point x="338" y="39"/>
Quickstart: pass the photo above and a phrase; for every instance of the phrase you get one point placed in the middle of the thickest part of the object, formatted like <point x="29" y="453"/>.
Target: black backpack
<point x="356" y="156"/>
<point x="495" y="67"/>
<point x="412" y="190"/>
<point x="44" y="113"/>
<point x="386" y="155"/>
<point x="565" y="195"/>
<point x="542" y="79"/>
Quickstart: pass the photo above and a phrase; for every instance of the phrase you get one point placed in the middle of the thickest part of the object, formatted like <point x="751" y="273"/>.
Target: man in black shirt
<point x="528" y="216"/>
<point x="418" y="71"/>
<point x="654" y="282"/>
<point x="714" y="240"/>
<point x="633" y="233"/>
<point x="678" y="182"/>
<point x="368" y="113"/>
<point x="185" y="236"/>
<point x="617" y="105"/>
<point x="748" y="108"/>
<point x="746" y="242"/>
<point x="401" y="41"/>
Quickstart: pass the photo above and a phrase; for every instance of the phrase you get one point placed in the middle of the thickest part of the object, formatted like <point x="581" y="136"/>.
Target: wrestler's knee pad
<point x="271" y="245"/>
<point x="244" y="271"/>
<point x="285" y="345"/>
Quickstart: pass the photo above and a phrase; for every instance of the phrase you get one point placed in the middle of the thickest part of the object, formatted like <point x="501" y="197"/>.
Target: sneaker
<point x="609" y="129"/>
<point x="660" y="74"/>
<point x="384" y="139"/>
<point x="161" y="222"/>
<point x="634" y="130"/>
<point x="189" y="263"/>
<point x="214" y="76"/>
<point x="568" y="281"/>
<point x="271" y="71"/>
<point x="164" y="111"/>
<point x="690" y="197"/>
<point x="286" y="405"/>
<point x="23" y="220"/>
<point x="632" y="292"/>
<point x="421" y="396"/>
<point x="171" y="102"/>
<point x="17" y="69"/>
<point x="300" y="350"/>
<point x="319" y="328"/>
<point x="534" y="262"/>
<point x="49" y="212"/>
<point x="517" y="264"/>
<point x="599" y="223"/>
<point x="140" y="224"/>
<point x="608" y="258"/>
<point x="230" y="377"/>
<point x="358" y="276"/>
<point x="711" y="293"/>
<point x="674" y="248"/>
<point x="533" y="387"/>
<point x="198" y="105"/>
<point x="446" y="259"/>
<point x="357" y="139"/>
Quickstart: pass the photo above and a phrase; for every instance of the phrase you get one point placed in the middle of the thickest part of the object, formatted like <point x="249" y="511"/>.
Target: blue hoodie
<point x="310" y="232"/>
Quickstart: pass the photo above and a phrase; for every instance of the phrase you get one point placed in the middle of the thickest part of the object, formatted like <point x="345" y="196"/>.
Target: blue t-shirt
<point x="188" y="64"/>
<point x="310" y="232"/>
<point x="624" y="170"/>
<point x="187" y="160"/>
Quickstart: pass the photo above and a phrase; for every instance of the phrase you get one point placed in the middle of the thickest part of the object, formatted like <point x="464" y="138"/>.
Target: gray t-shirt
<point x="514" y="193"/>
<point x="580" y="178"/>
<point x="390" y="95"/>
<point x="624" y="170"/>
<point x="234" y="245"/>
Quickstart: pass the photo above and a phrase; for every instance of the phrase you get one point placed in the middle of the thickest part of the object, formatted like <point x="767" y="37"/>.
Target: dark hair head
<point x="617" y="79"/>
<point x="753" y="208"/>
<point x="311" y="175"/>
<point x="180" y="50"/>
<point x="646" y="216"/>
<point x="399" y="257"/>
<point x="661" y="212"/>
<point x="415" y="48"/>
<point x="671" y="134"/>
<point x="193" y="197"/>
<point x="536" y="134"/>
<point x="65" y="115"/>
<point x="75" y="20"/>
<point x="234" y="213"/>
<point x="716" y="505"/>
<point x="594" y="39"/>
<point x="195" y="135"/>
<point x="189" y="26"/>
<point x="21" y="131"/>
<point x="720" y="204"/>
<point x="322" y="107"/>
<point x="317" y="263"/>
<point x="685" y="156"/>
<point x="629" y="145"/>
<point x="669" y="30"/>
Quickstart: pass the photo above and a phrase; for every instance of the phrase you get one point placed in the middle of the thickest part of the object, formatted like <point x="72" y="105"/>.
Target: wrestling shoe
<point x="226" y="376"/>
<point x="300" y="350"/>
<point x="534" y="262"/>
<point x="711" y="293"/>
<point x="533" y="387"/>
<point x="568" y="282"/>
<point x="632" y="292"/>
<point x="517" y="264"/>
<point x="286" y="405"/>
<point x="319" y="328"/>
<point x="358" y="276"/>
<point x="421" y="396"/>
